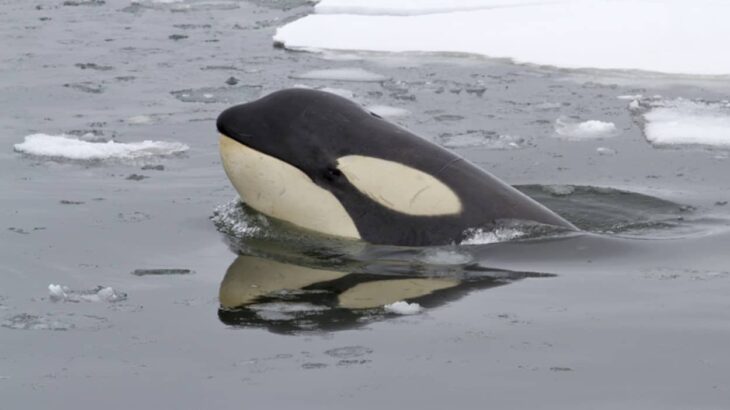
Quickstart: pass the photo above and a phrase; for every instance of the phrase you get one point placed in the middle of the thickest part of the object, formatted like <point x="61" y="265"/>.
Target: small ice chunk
<point x="139" y="120"/>
<point x="481" y="138"/>
<point x="160" y="272"/>
<point x="60" y="293"/>
<point x="403" y="308"/>
<point x="68" y="147"/>
<point x="388" y="111"/>
<point x="605" y="151"/>
<point x="342" y="74"/>
<point x="630" y="97"/>
<point x="685" y="122"/>
<point x="584" y="130"/>
<point x="56" y="293"/>
<point x="634" y="105"/>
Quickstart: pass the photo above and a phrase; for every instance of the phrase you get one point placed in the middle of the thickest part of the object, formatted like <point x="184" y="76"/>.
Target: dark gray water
<point x="631" y="314"/>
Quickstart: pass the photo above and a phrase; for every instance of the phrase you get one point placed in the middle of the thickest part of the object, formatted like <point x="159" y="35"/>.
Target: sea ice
<point x="403" y="308"/>
<point x="388" y="111"/>
<point x="685" y="122"/>
<point x="481" y="138"/>
<point x="69" y="147"/>
<point x="59" y="293"/>
<point x="584" y="130"/>
<point x="342" y="74"/>
<point x="672" y="36"/>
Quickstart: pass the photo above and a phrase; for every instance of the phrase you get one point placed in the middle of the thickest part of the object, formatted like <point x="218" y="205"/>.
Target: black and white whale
<point x="322" y="162"/>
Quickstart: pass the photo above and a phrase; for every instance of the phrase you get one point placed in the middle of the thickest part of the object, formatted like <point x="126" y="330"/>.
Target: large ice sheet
<point x="685" y="122"/>
<point x="673" y="36"/>
<point x="415" y="7"/>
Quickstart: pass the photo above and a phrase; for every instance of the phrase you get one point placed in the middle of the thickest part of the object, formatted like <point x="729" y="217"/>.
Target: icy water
<point x="169" y="294"/>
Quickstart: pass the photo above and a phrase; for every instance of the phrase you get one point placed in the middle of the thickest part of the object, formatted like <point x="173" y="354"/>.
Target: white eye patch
<point x="399" y="187"/>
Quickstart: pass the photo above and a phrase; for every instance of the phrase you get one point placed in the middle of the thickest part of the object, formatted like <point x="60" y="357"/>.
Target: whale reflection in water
<point x="285" y="298"/>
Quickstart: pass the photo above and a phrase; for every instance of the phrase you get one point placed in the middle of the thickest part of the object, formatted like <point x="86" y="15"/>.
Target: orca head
<point x="280" y="154"/>
<point x="297" y="154"/>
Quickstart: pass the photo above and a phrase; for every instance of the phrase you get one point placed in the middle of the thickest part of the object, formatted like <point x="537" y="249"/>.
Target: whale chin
<point x="282" y="191"/>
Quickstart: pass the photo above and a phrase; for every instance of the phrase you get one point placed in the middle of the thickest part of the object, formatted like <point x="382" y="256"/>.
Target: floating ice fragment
<point x="584" y="130"/>
<point x="342" y="74"/>
<point x="630" y="97"/>
<point x="685" y="122"/>
<point x="403" y="308"/>
<point x="139" y="119"/>
<point x="480" y="138"/>
<point x="68" y="147"/>
<point x="388" y="111"/>
<point x="59" y="293"/>
<point x="605" y="151"/>
<point x="157" y="272"/>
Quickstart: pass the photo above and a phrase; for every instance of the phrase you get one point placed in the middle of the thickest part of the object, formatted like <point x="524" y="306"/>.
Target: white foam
<point x="403" y="308"/>
<point x="685" y="122"/>
<point x="584" y="130"/>
<point x="484" y="237"/>
<point x="445" y="257"/>
<point x="69" y="147"/>
<point x="388" y="111"/>
<point x="231" y="218"/>
<point x="672" y="36"/>
<point x="342" y="74"/>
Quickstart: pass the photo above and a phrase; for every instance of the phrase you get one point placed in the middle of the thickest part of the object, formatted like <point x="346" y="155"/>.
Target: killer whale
<point x="324" y="163"/>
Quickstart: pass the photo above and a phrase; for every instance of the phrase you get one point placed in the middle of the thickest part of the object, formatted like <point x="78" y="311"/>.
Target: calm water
<point x="240" y="311"/>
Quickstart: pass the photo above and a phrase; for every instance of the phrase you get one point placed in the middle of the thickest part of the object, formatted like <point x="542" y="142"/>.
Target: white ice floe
<point x="584" y="130"/>
<point x="388" y="111"/>
<point x="414" y="7"/>
<point x="605" y="151"/>
<point x="69" y="147"/>
<point x="671" y="36"/>
<point x="685" y="122"/>
<point x="59" y="293"/>
<point x="342" y="74"/>
<point x="403" y="308"/>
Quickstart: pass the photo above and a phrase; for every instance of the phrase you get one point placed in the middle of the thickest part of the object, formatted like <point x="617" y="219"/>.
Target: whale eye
<point x="331" y="173"/>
